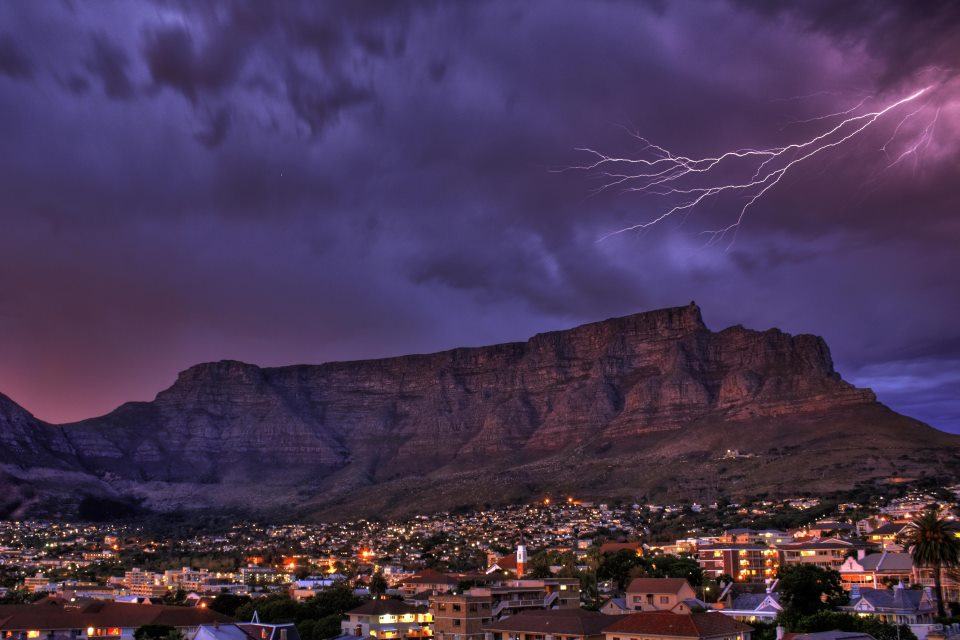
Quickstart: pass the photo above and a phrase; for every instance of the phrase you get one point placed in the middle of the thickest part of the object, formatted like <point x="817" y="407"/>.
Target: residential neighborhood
<point x="559" y="569"/>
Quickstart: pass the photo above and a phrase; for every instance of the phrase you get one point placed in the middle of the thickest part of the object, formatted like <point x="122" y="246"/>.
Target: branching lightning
<point x="689" y="181"/>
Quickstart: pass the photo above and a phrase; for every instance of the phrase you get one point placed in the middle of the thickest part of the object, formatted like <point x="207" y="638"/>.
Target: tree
<point x="378" y="584"/>
<point x="830" y="620"/>
<point x="157" y="632"/>
<point x="806" y="589"/>
<point x="617" y="567"/>
<point x="933" y="543"/>
<point x="228" y="603"/>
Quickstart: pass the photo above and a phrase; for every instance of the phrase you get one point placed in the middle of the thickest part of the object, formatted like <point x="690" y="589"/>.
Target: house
<point x="428" y="580"/>
<point x="615" y="607"/>
<point x="893" y="606"/>
<point x="877" y="570"/>
<point x="387" y="619"/>
<point x="58" y="619"/>
<point x="747" y="606"/>
<point x="887" y="536"/>
<point x="742" y="562"/>
<point x="662" y="594"/>
<point x="663" y="625"/>
<point x="248" y="631"/>
<point x="822" y="552"/>
<point x="509" y="597"/>
<point x="568" y="624"/>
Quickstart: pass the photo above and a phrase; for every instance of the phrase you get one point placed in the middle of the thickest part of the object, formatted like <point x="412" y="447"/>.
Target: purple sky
<point x="284" y="183"/>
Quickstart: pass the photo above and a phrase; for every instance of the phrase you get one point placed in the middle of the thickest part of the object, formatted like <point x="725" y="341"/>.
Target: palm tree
<point x="934" y="543"/>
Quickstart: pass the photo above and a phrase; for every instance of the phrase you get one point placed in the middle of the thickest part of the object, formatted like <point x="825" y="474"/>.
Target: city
<point x="557" y="567"/>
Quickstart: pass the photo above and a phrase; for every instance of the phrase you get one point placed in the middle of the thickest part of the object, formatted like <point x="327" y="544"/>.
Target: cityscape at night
<point x="479" y="320"/>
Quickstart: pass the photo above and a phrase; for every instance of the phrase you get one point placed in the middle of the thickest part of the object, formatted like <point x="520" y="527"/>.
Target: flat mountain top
<point x="642" y="405"/>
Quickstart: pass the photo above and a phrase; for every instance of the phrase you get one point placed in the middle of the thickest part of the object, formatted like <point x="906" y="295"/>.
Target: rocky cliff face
<point x="480" y="424"/>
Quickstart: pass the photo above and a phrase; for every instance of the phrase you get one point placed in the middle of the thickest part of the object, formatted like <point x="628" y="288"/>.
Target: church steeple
<point x="521" y="557"/>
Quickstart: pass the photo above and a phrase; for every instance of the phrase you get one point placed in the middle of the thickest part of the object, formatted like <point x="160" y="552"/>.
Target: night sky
<point x="283" y="183"/>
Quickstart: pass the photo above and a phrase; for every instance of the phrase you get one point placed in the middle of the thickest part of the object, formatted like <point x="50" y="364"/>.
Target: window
<point x="664" y="599"/>
<point x="456" y="607"/>
<point x="456" y="622"/>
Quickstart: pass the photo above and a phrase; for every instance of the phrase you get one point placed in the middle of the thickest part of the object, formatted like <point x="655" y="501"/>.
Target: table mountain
<point x="644" y="405"/>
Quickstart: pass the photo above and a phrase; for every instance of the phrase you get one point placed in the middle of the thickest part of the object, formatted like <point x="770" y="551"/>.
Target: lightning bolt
<point x="660" y="172"/>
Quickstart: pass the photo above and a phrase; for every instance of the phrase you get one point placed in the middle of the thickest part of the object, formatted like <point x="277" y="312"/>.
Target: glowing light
<point x="662" y="173"/>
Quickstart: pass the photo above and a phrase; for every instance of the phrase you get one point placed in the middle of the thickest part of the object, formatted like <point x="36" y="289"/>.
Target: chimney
<point x="780" y="631"/>
<point x="854" y="592"/>
<point x="861" y="553"/>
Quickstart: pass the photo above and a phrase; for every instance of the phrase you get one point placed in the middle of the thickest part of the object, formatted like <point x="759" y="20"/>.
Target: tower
<point x="521" y="557"/>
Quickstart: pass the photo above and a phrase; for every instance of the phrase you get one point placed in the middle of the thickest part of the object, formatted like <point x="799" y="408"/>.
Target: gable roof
<point x="756" y="602"/>
<point x="896" y="599"/>
<point x="53" y="613"/>
<point x="887" y="562"/>
<point x="574" y="622"/>
<point x="688" y="625"/>
<point x="656" y="585"/>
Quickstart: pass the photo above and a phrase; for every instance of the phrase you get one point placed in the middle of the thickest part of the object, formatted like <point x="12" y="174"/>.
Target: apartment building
<point x="742" y="562"/>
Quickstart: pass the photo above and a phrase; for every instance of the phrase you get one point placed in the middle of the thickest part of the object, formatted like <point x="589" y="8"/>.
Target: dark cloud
<point x="904" y="36"/>
<point x="174" y="61"/>
<point x="217" y="127"/>
<point x="13" y="62"/>
<point x="318" y="102"/>
<point x="300" y="182"/>
<point x="109" y="63"/>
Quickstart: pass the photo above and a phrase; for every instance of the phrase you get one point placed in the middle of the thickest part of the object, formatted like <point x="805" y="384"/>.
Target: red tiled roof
<point x="573" y="622"/>
<point x="656" y="585"/>
<point x="430" y="576"/>
<point x="688" y="625"/>
<point x="51" y="613"/>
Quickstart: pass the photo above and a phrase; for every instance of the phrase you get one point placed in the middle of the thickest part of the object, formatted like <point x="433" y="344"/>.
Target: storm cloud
<point x="301" y="182"/>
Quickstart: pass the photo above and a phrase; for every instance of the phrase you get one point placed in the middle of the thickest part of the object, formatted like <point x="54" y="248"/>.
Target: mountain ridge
<point x="480" y="424"/>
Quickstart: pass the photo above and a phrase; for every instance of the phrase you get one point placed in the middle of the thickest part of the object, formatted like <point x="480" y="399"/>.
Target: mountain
<point x="643" y="405"/>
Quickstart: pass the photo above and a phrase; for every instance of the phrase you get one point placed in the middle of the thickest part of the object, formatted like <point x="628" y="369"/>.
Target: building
<point x="663" y="625"/>
<point x="828" y="635"/>
<point x="615" y="607"/>
<point x="460" y="616"/>
<point x="887" y="536"/>
<point x="388" y="619"/>
<point x="558" y="624"/>
<point x="822" y="552"/>
<point x="428" y="580"/>
<point x="39" y="583"/>
<point x="662" y="594"/>
<point x="747" y="606"/>
<point x="755" y="536"/>
<point x="923" y="576"/>
<point x="248" y="631"/>
<point x="742" y="562"/>
<point x="893" y="606"/>
<point x="144" y="584"/>
<point x="877" y="570"/>
<point x="58" y="619"/>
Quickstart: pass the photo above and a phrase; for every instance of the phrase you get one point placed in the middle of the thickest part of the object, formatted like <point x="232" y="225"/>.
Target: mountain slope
<point x="643" y="404"/>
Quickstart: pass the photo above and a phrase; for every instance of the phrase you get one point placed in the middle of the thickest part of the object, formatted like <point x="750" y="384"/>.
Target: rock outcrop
<point x="643" y="404"/>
